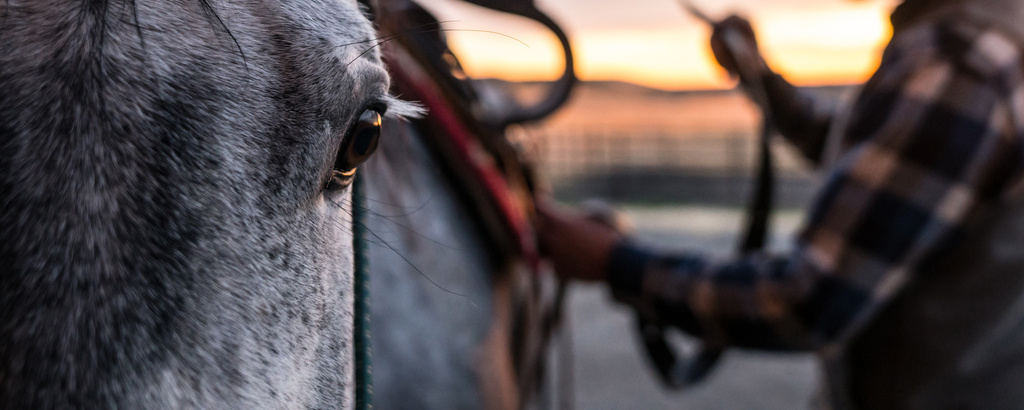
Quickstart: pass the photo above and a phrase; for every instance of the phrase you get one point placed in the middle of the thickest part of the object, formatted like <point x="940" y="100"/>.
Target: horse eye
<point x="357" y="147"/>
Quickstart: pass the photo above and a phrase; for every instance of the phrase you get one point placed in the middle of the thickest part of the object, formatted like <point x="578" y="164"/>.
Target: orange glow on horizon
<point x="810" y="46"/>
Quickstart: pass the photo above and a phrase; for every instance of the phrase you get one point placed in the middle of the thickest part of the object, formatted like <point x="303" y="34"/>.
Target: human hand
<point x="577" y="246"/>
<point x="735" y="47"/>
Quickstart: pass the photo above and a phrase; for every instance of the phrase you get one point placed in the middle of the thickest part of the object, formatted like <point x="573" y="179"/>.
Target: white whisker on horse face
<point x="378" y="240"/>
<point x="405" y="210"/>
<point x="411" y="30"/>
<point x="348" y="206"/>
<point x="415" y="30"/>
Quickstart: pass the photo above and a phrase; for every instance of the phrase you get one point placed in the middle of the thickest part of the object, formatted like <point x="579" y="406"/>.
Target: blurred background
<point x="657" y="129"/>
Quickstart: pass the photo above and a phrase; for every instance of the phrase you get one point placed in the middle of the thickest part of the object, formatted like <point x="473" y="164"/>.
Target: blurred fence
<point x="663" y="168"/>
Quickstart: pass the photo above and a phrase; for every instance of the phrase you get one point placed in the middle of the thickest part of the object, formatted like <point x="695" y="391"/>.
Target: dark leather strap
<point x="681" y="371"/>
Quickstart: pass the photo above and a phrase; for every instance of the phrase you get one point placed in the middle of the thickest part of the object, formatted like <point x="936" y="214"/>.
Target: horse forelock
<point x="165" y="239"/>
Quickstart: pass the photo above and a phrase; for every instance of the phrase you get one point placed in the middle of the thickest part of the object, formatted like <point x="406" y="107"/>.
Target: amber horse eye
<point x="357" y="147"/>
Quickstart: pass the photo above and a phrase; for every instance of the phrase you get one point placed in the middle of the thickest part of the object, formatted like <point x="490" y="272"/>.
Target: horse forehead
<point x="339" y="25"/>
<point x="342" y="38"/>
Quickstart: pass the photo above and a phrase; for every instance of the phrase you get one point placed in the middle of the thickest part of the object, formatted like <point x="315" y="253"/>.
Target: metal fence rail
<point x="711" y="169"/>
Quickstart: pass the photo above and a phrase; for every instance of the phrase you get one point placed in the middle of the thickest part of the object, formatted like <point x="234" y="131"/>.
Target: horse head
<point x="175" y="219"/>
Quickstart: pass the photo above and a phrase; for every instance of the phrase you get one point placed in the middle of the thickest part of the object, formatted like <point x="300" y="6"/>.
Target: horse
<point x="461" y="317"/>
<point x="175" y="203"/>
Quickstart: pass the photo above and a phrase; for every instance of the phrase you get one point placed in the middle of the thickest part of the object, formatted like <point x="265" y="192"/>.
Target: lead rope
<point x="680" y="372"/>
<point x="363" y="350"/>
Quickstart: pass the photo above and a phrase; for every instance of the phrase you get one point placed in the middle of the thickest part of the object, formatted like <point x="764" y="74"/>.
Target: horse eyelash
<point x="401" y="109"/>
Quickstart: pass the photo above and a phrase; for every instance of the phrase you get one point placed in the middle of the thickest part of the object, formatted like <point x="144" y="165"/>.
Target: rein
<point x="680" y="372"/>
<point x="362" y="330"/>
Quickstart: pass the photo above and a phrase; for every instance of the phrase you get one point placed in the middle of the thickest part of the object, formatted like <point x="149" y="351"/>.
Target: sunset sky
<point x="654" y="43"/>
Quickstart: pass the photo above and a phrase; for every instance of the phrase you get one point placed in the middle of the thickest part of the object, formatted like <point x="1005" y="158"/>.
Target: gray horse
<point x="459" y="319"/>
<point x="174" y="220"/>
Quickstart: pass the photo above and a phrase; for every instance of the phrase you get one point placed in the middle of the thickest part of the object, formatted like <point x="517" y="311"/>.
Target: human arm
<point x="934" y="142"/>
<point x="802" y="118"/>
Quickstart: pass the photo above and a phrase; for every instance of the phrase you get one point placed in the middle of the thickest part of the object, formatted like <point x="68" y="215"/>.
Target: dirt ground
<point x="609" y="369"/>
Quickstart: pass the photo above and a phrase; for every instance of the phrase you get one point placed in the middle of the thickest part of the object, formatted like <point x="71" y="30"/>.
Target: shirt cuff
<point x="627" y="266"/>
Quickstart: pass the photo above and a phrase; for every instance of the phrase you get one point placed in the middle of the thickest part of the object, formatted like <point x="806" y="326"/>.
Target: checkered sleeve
<point x="802" y="118"/>
<point x="935" y="139"/>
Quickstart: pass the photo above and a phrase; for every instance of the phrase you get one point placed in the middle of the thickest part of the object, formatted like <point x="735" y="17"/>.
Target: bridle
<point x="674" y="370"/>
<point x="429" y="66"/>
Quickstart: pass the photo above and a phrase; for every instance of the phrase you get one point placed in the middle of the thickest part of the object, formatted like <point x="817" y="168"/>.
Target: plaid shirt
<point x="934" y="136"/>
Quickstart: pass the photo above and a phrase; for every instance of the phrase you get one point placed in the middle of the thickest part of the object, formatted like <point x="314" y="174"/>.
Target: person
<point x="907" y="274"/>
